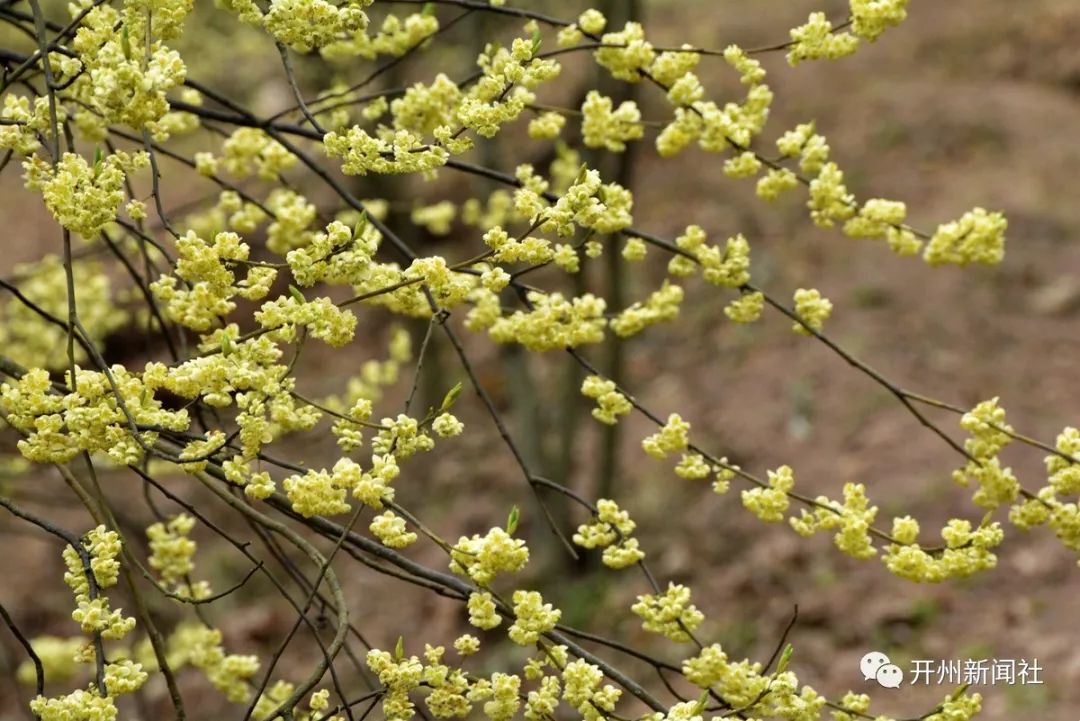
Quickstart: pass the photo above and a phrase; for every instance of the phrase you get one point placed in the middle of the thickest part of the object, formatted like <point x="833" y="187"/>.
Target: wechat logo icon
<point x="876" y="666"/>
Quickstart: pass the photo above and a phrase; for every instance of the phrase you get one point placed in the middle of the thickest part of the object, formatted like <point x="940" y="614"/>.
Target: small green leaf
<point x="700" y="705"/>
<point x="512" y="521"/>
<point x="99" y="157"/>
<point x="125" y="42"/>
<point x="295" y="292"/>
<point x="226" y="345"/>
<point x="451" y="397"/>
<point x="429" y="9"/>
<point x="361" y="223"/>
<point x="785" y="658"/>
<point x="399" y="649"/>
<point x="536" y="40"/>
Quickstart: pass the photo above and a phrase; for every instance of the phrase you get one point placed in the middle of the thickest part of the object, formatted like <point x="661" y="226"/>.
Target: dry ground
<point x="972" y="102"/>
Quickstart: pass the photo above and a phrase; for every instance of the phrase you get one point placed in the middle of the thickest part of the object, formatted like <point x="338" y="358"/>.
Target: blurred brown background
<point x="970" y="102"/>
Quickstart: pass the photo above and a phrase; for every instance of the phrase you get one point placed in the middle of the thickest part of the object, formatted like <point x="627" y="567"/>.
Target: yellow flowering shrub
<point x="231" y="237"/>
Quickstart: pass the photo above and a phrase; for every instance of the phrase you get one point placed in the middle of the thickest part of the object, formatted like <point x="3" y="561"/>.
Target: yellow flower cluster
<point x="591" y="21"/>
<point x="396" y="152"/>
<point x="661" y="306"/>
<point x="830" y="201"/>
<point x="989" y="434"/>
<point x="446" y="425"/>
<point x="669" y="613"/>
<point x="424" y="108"/>
<point x="746" y="308"/>
<point x="482" y="613"/>
<point x="870" y="18"/>
<point x="500" y="695"/>
<point x="322" y="319"/>
<point x="399" y="676"/>
<point x="26" y="122"/>
<point x="448" y="288"/>
<point x="741" y="685"/>
<point x="692" y="466"/>
<point x="94" y="616"/>
<point x="83" y="197"/>
<point x="770" y="504"/>
<point x="372" y="488"/>
<point x="727" y="268"/>
<point x="1044" y="507"/>
<point x="482" y="558"/>
<point x="449" y="695"/>
<point x="879" y="218"/>
<point x="324" y="492"/>
<point x="813" y="310"/>
<point x="776" y="182"/>
<point x="103" y="547"/>
<point x="293" y="213"/>
<point x="587" y="203"/>
<point x="467" y="645"/>
<point x="634" y="250"/>
<point x="545" y="126"/>
<point x="391" y="530"/>
<point x="582" y="689"/>
<point x="307" y="24"/>
<point x="281" y="691"/>
<point x="436" y="219"/>
<point x="171" y="554"/>
<point x="251" y="150"/>
<point x="626" y="53"/>
<point x="262" y="388"/>
<point x="319" y="493"/>
<point x="610" y="404"/>
<point x="851" y="520"/>
<point x="611" y="530"/>
<point x="403" y="436"/>
<point x="200" y="646"/>
<point x="59" y="426"/>
<point x="532" y="618"/>
<point x="78" y="704"/>
<point x="553" y="323"/>
<point x="671" y="438"/>
<point x="713" y="127"/>
<point x="30" y="340"/>
<point x="231" y="212"/>
<point x="967" y="551"/>
<point x="977" y="237"/>
<point x="338" y="256"/>
<point x="126" y="73"/>
<point x="505" y="88"/>
<point x="58" y="658"/>
<point x="503" y="91"/>
<point x="1065" y="473"/>
<point x="530" y="249"/>
<point x="396" y="36"/>
<point x="818" y="39"/>
<point x="603" y="126"/>
<point x="210" y="284"/>
<point x="959" y="707"/>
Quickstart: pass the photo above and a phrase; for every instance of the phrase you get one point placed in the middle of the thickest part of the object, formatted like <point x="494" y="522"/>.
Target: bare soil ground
<point x="971" y="102"/>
